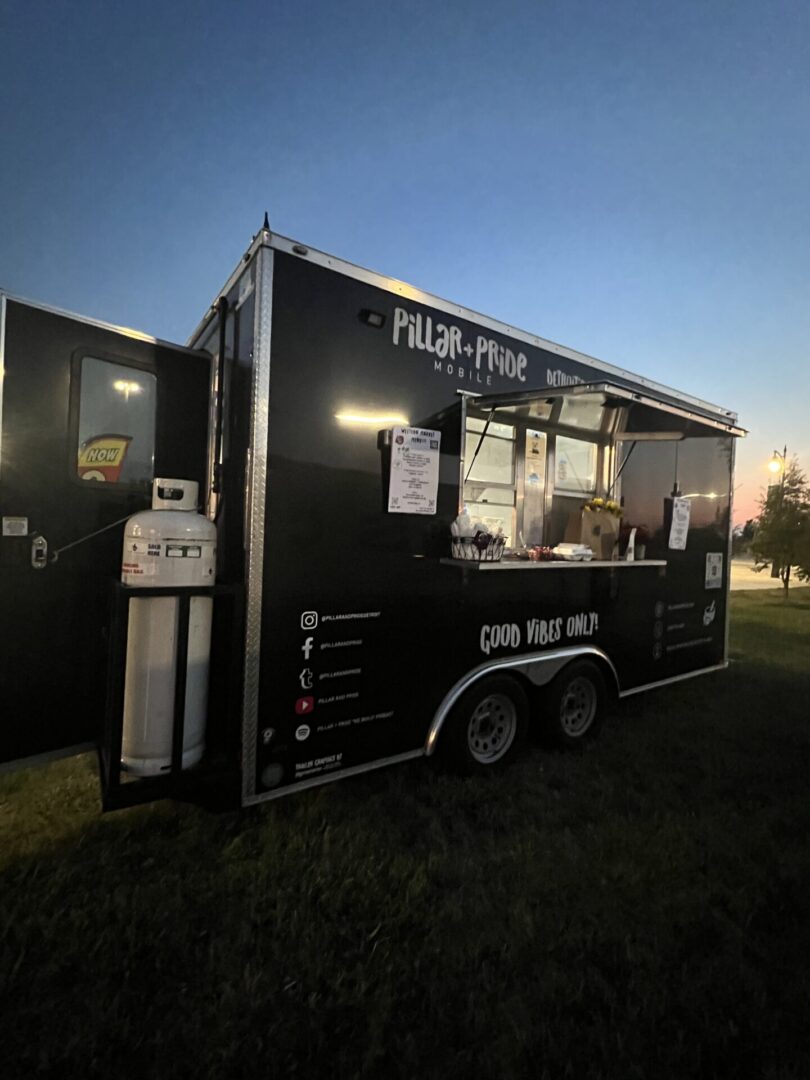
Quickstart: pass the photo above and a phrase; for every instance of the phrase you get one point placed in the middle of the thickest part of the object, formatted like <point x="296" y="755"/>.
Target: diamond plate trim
<point x="257" y="502"/>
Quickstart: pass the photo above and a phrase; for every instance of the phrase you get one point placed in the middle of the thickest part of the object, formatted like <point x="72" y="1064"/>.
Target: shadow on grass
<point x="639" y="909"/>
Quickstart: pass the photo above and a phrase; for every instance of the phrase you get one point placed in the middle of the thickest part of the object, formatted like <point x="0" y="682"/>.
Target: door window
<point x="116" y="443"/>
<point x="575" y="471"/>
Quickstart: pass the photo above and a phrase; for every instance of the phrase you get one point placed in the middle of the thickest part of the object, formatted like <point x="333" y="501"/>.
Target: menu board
<point x="414" y="486"/>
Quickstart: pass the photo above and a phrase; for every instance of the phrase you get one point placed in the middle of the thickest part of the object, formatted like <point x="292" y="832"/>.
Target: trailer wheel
<point x="572" y="707"/>
<point x="487" y="728"/>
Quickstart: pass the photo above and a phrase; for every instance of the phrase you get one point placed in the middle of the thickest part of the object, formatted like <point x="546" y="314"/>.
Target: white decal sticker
<point x="15" y="526"/>
<point x="714" y="570"/>
<point x="179" y="551"/>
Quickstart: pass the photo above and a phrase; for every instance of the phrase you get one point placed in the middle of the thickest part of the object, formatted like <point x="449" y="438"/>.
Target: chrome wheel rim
<point x="578" y="707"/>
<point x="492" y="728"/>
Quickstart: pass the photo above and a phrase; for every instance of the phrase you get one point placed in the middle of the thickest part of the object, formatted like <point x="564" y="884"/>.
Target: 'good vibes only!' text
<point x="538" y="632"/>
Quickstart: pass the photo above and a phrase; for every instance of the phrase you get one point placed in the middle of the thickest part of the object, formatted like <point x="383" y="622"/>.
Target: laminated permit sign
<point x="679" y="530"/>
<point x="414" y="485"/>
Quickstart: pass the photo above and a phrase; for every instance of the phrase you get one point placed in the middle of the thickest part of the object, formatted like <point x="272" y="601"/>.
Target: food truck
<point x="429" y="533"/>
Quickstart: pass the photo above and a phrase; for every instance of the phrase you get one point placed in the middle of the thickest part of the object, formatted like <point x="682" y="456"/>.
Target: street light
<point x="127" y="387"/>
<point x="778" y="464"/>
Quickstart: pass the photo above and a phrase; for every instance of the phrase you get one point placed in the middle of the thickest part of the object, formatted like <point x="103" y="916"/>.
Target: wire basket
<point x="466" y="547"/>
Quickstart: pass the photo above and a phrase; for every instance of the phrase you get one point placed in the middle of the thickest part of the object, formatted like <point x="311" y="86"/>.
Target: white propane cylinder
<point x="167" y="546"/>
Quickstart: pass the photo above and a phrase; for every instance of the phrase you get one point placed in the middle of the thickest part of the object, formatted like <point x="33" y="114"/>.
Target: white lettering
<point x="499" y="636"/>
<point x="429" y="334"/>
<point x="481" y="347"/>
<point x="561" y="378"/>
<point x="446" y="343"/>
<point x="420" y="344"/>
<point x="495" y="356"/>
<point x="539" y="632"/>
<point x="442" y="341"/>
<point x="400" y="320"/>
<point x="543" y="631"/>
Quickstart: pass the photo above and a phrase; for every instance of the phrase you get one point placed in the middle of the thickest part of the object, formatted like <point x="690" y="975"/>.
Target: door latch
<point x="39" y="552"/>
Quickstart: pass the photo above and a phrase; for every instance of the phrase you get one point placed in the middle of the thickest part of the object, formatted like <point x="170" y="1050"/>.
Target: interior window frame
<point x="508" y="489"/>
<point x="570" y="493"/>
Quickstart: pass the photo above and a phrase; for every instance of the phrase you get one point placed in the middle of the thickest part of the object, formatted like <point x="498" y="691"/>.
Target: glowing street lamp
<point x="126" y="387"/>
<point x="778" y="465"/>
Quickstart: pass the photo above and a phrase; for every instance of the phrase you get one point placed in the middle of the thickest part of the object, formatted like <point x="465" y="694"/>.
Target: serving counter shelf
<point x="556" y="564"/>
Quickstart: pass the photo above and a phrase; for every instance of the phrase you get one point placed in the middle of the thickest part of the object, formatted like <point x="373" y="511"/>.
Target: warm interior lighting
<point x="379" y="420"/>
<point x="125" y="387"/>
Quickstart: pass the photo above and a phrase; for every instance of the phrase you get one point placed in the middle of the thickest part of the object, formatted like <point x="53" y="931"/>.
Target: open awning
<point x="630" y="414"/>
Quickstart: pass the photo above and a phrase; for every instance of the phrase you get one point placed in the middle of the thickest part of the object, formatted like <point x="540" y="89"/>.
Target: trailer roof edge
<point x="261" y="239"/>
<point x="100" y="324"/>
<point x="393" y="285"/>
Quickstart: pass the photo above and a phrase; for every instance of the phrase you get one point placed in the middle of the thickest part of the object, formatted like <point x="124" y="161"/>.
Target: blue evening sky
<point x="631" y="179"/>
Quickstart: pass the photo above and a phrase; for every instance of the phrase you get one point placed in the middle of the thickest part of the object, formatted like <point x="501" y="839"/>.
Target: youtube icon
<point x="304" y="705"/>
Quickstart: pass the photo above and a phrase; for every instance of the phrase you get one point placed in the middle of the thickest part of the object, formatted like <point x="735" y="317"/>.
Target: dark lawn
<point x="639" y="910"/>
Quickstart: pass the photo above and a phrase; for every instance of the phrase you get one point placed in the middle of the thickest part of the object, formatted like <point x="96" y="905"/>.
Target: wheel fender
<point x="538" y="668"/>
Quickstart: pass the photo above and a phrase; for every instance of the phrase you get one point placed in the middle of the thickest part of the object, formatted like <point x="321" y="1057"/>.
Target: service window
<point x="575" y="466"/>
<point x="489" y="489"/>
<point x="116" y="440"/>
<point x="495" y="462"/>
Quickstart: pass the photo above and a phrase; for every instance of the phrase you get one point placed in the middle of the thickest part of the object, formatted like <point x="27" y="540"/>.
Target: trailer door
<point x="88" y="415"/>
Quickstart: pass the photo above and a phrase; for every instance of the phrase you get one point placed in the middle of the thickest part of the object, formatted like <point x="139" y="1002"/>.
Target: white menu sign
<point x="680" y="524"/>
<point x="414" y="486"/>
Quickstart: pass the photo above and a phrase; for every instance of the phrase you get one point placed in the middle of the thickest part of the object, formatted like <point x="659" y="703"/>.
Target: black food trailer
<point x="433" y="530"/>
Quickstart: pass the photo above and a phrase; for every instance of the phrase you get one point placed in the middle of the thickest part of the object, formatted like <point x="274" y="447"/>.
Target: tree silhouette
<point x="783" y="529"/>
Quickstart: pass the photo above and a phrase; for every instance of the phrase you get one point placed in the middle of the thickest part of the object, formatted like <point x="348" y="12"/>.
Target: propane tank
<point x="167" y="546"/>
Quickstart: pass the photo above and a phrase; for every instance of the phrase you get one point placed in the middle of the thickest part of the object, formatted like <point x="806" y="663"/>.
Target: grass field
<point x="639" y="910"/>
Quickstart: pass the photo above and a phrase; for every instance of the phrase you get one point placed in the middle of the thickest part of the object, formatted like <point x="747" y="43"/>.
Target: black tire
<point x="487" y="727"/>
<point x="572" y="706"/>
